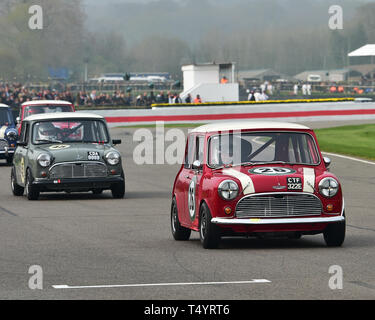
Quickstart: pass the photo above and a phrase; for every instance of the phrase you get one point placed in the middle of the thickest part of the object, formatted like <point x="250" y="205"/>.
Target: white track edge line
<point x="348" y="158"/>
<point x="64" y="286"/>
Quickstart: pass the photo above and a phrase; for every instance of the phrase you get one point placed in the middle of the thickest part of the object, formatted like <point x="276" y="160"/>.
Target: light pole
<point x="86" y="62"/>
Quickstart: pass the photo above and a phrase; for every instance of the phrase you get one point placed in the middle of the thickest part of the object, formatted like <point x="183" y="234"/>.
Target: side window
<point x="302" y="150"/>
<point x="25" y="132"/>
<point x="199" y="151"/>
<point x="190" y="152"/>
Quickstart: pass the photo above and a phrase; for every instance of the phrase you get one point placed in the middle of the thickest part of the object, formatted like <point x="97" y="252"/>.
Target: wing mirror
<point x="327" y="162"/>
<point x="116" y="142"/>
<point x="21" y="143"/>
<point x="197" y="165"/>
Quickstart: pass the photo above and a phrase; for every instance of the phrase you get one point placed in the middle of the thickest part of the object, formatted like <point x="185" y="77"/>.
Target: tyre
<point x="334" y="234"/>
<point x="118" y="189"/>
<point x="10" y="161"/>
<point x="97" y="191"/>
<point x="16" y="189"/>
<point x="32" y="192"/>
<point x="179" y="232"/>
<point x="295" y="236"/>
<point x="209" y="233"/>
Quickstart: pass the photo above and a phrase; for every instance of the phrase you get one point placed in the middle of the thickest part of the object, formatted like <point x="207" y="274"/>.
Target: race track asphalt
<point x="88" y="240"/>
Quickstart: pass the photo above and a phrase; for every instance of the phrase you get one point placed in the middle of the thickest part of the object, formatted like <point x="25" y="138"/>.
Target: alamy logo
<point x="36" y="280"/>
<point x="335" y="21"/>
<point x="36" y="19"/>
<point x="336" y="280"/>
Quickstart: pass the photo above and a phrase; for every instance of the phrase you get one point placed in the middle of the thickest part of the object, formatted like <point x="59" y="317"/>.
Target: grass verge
<point x="358" y="140"/>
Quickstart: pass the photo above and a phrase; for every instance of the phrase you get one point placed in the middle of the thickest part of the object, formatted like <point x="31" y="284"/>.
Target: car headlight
<point x="328" y="187"/>
<point x="228" y="189"/>
<point x="113" y="158"/>
<point x="12" y="134"/>
<point x="44" y="160"/>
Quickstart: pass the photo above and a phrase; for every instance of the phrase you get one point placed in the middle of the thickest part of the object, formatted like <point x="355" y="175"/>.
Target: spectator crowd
<point x="15" y="94"/>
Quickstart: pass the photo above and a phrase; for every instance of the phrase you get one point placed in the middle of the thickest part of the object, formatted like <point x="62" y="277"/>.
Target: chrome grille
<point x="3" y="144"/>
<point x="279" y="205"/>
<point x="78" y="170"/>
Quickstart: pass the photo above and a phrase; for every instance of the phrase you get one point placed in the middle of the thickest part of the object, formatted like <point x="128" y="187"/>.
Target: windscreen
<point x="87" y="131"/>
<point x="5" y="117"/>
<point x="256" y="148"/>
<point x="38" y="109"/>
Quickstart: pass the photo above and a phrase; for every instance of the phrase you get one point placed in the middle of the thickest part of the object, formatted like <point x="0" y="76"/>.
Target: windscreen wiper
<point x="263" y="162"/>
<point x="49" y="140"/>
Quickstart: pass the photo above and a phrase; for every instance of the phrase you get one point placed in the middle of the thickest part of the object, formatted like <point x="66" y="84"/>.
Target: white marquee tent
<point x="367" y="50"/>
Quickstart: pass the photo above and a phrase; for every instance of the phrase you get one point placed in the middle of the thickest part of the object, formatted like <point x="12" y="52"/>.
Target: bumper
<point x="6" y="153"/>
<point x="77" y="183"/>
<point x="290" y="221"/>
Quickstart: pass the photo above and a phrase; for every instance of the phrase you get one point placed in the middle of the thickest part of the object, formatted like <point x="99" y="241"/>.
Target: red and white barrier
<point x="293" y="112"/>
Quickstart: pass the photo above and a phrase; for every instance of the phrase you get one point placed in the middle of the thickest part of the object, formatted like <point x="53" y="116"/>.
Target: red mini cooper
<point x="42" y="106"/>
<point x="259" y="179"/>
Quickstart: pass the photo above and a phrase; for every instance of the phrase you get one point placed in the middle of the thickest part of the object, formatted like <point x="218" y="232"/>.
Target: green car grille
<point x="78" y="170"/>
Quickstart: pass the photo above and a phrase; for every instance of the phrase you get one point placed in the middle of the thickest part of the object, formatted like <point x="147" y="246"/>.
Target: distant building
<point x="261" y="75"/>
<point x="150" y="76"/>
<point x="203" y="79"/>
<point x="337" y="75"/>
<point x="364" y="71"/>
<point x="363" y="61"/>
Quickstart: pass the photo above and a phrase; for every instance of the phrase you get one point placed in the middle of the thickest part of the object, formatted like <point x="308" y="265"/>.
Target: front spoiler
<point x="271" y="221"/>
<point x="77" y="183"/>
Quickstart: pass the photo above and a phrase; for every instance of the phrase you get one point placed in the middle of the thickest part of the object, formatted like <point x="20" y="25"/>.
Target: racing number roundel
<point x="272" y="171"/>
<point x="59" y="147"/>
<point x="191" y="198"/>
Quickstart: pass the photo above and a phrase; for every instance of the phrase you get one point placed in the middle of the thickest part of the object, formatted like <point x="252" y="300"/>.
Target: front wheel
<point x="334" y="234"/>
<point x="16" y="189"/>
<point x="118" y="189"/>
<point x="10" y="161"/>
<point x="97" y="191"/>
<point x="209" y="233"/>
<point x="32" y="193"/>
<point x="179" y="232"/>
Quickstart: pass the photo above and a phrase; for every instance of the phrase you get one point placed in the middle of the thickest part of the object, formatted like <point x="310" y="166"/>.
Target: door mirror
<point x="327" y="162"/>
<point x="197" y="165"/>
<point x="21" y="143"/>
<point x="116" y="142"/>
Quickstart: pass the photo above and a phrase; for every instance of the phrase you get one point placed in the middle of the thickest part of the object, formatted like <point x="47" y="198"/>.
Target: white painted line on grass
<point x="349" y="158"/>
<point x="64" y="286"/>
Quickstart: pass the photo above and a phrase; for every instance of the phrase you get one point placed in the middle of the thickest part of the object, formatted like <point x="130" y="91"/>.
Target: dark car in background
<point x="8" y="134"/>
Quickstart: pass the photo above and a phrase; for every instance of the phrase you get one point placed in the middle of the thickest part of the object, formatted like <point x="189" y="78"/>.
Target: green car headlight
<point x="44" y="160"/>
<point x="113" y="158"/>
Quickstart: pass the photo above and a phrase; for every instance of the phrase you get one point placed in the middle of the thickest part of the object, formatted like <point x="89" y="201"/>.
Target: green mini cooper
<point x="66" y="152"/>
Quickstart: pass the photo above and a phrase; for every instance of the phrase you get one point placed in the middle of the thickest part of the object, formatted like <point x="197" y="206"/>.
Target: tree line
<point x="289" y="36"/>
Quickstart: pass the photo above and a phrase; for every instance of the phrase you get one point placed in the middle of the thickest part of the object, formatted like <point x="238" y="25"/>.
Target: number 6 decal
<point x="191" y="198"/>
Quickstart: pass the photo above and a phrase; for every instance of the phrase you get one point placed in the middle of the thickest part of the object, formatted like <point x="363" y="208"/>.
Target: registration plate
<point x="93" y="156"/>
<point x="294" y="183"/>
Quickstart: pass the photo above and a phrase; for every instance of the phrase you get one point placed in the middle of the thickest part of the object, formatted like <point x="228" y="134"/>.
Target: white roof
<point x="2" y="105"/>
<point x="244" y="125"/>
<point x="365" y="51"/>
<point x="43" y="102"/>
<point x="63" y="116"/>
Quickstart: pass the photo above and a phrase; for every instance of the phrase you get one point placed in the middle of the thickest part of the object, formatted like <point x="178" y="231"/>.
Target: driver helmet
<point x="234" y="150"/>
<point x="46" y="130"/>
